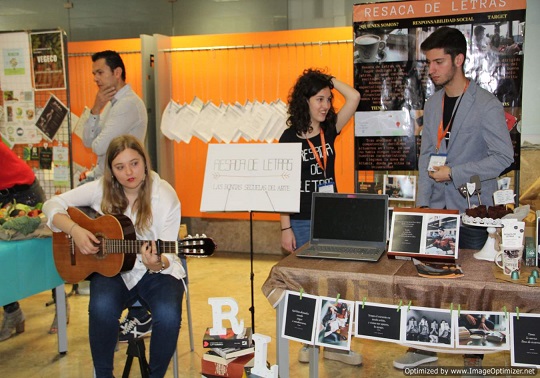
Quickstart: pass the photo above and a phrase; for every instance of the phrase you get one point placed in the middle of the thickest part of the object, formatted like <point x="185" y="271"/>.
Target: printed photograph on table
<point x="334" y="323"/>
<point x="400" y="187"/>
<point x="377" y="321"/>
<point x="481" y="330"/>
<point x="427" y="326"/>
<point x="300" y="314"/>
<point x="525" y="336"/>
<point x="432" y="233"/>
<point x="441" y="235"/>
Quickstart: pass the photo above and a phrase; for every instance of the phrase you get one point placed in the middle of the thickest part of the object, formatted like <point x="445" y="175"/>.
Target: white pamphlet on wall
<point x="252" y="177"/>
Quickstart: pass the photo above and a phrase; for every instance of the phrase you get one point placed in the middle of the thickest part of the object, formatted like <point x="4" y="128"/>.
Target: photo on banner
<point x="427" y="326"/>
<point x="391" y="72"/>
<point x="334" y="323"/>
<point x="482" y="330"/>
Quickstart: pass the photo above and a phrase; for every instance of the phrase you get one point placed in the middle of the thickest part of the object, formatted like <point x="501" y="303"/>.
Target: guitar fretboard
<point x="134" y="246"/>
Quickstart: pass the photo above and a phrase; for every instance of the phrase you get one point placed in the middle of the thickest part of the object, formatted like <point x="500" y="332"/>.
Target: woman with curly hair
<point x="314" y="123"/>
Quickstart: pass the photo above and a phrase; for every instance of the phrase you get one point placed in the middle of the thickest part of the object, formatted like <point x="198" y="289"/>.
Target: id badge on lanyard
<point x="436" y="160"/>
<point x="327" y="187"/>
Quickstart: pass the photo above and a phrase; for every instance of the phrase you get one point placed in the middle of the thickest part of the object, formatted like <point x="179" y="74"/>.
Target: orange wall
<point x="265" y="73"/>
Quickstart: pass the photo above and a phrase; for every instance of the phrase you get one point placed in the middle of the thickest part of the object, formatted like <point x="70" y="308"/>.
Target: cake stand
<point x="488" y="251"/>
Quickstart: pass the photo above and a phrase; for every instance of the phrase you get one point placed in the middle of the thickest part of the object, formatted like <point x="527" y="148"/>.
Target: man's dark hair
<point x="450" y="39"/>
<point x="112" y="59"/>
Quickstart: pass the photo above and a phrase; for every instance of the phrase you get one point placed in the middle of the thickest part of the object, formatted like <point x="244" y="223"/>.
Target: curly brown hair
<point x="311" y="82"/>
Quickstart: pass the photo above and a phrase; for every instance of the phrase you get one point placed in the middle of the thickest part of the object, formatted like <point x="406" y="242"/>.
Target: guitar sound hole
<point x="102" y="247"/>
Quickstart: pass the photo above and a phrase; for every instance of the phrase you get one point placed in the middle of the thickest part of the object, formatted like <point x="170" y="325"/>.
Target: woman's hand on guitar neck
<point x="151" y="259"/>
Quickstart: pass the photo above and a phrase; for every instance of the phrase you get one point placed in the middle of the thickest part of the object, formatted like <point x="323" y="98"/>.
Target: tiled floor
<point x="34" y="352"/>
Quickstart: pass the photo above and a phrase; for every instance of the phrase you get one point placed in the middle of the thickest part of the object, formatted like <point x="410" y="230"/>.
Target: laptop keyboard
<point x="352" y="251"/>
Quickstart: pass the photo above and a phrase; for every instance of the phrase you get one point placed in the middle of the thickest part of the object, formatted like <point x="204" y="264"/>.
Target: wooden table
<point x="389" y="281"/>
<point x="27" y="268"/>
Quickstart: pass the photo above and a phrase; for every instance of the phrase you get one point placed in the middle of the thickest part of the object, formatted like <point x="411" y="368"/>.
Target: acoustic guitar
<point x="118" y="248"/>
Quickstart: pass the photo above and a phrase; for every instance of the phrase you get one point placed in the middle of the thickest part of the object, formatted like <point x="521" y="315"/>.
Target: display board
<point x="34" y="104"/>
<point x="391" y="73"/>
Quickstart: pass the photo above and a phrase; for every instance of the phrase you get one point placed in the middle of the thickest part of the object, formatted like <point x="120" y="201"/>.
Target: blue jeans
<point x="160" y="293"/>
<point x="301" y="229"/>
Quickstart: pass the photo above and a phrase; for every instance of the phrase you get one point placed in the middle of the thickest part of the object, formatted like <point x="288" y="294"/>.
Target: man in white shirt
<point x="117" y="109"/>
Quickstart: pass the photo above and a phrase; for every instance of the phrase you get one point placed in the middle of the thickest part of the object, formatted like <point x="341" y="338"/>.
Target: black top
<point x="312" y="174"/>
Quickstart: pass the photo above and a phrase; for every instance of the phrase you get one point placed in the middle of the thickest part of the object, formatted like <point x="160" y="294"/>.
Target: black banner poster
<point x="390" y="71"/>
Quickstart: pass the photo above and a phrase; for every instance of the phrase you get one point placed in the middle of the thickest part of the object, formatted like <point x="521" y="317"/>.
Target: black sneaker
<point x="133" y="328"/>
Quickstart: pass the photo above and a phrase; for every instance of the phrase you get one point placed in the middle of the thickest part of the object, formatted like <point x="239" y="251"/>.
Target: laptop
<point x="347" y="227"/>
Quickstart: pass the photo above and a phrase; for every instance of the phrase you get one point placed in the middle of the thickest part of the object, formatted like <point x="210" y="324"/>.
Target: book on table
<point x="235" y="368"/>
<point x="228" y="353"/>
<point x="217" y="354"/>
<point x="228" y="340"/>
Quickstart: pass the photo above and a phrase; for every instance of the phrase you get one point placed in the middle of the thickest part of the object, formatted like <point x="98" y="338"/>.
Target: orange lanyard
<point x="325" y="157"/>
<point x="441" y="133"/>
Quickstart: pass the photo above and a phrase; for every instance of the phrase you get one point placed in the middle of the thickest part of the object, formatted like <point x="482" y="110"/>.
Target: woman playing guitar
<point x="129" y="188"/>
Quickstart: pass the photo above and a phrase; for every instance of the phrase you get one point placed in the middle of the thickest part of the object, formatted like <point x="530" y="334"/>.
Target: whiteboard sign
<point x="252" y="177"/>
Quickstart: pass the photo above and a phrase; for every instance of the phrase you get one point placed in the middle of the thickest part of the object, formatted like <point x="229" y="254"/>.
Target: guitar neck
<point x="134" y="246"/>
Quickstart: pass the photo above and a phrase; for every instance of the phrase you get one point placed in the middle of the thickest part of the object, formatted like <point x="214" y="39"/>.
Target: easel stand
<point x="252" y="275"/>
<point x="137" y="349"/>
<point x="247" y="178"/>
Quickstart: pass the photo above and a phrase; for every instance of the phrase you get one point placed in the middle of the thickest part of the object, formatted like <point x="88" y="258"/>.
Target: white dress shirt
<point x="124" y="114"/>
<point x="164" y="226"/>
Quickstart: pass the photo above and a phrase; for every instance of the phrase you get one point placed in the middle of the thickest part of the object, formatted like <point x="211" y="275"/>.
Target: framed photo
<point x="424" y="233"/>
<point x="400" y="187"/>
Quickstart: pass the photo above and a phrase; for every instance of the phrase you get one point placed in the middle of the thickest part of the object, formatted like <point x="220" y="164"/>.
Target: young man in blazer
<point x="464" y="126"/>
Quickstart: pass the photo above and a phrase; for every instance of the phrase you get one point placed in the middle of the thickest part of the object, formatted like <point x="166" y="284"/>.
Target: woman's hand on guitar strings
<point x="86" y="241"/>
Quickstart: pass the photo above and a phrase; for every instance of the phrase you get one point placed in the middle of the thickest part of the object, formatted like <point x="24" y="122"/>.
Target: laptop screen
<point x="340" y="218"/>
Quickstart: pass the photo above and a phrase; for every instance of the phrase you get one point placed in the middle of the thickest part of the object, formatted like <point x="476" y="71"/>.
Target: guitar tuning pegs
<point x="189" y="237"/>
<point x="203" y="236"/>
<point x="196" y="235"/>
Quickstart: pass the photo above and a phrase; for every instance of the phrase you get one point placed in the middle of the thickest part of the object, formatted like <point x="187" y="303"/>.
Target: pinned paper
<point x="502" y="197"/>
